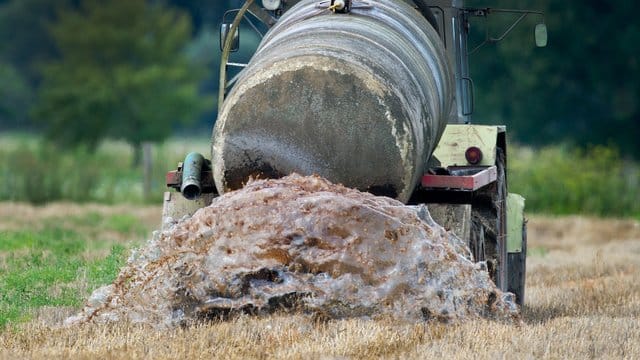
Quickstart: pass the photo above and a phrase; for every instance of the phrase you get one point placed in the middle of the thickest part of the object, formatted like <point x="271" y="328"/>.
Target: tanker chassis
<point x="375" y="95"/>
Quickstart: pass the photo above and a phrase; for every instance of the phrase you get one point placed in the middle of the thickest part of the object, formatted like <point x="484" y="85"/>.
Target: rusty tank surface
<point x="360" y="99"/>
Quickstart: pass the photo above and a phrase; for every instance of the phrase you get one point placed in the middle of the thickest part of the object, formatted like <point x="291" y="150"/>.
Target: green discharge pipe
<point x="192" y="175"/>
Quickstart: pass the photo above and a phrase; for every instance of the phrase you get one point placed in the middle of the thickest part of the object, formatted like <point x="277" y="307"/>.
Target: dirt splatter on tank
<point x="360" y="99"/>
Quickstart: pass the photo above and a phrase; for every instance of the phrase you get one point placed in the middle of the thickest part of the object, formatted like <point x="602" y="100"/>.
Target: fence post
<point x="147" y="168"/>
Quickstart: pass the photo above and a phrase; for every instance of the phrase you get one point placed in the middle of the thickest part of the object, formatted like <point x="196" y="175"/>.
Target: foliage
<point x="122" y="74"/>
<point x="56" y="258"/>
<point x="204" y="49"/>
<point x="583" y="88"/>
<point x="24" y="37"/>
<point x="37" y="172"/>
<point x="43" y="268"/>
<point x="24" y="44"/>
<point x="205" y="13"/>
<point x="561" y="180"/>
<point x="556" y="179"/>
<point x="15" y="96"/>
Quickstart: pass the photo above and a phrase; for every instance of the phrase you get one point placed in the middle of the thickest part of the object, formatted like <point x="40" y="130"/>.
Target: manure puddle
<point x="300" y="244"/>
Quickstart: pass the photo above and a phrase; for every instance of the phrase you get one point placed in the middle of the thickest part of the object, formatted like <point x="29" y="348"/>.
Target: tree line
<point x="82" y="70"/>
<point x="583" y="88"/>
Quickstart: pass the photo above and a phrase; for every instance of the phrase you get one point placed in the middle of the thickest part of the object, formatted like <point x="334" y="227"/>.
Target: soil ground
<point x="582" y="301"/>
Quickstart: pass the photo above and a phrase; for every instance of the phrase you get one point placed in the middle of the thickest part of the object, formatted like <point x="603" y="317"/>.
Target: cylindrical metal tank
<point x="360" y="99"/>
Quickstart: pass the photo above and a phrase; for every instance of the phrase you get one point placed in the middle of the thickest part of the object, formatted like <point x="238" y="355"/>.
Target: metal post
<point x="147" y="168"/>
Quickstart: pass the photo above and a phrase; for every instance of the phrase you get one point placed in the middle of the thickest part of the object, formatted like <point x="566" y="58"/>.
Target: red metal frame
<point x="472" y="182"/>
<point x="461" y="182"/>
<point x="173" y="178"/>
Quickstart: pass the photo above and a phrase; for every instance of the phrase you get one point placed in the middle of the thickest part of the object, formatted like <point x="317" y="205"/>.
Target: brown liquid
<point x="304" y="244"/>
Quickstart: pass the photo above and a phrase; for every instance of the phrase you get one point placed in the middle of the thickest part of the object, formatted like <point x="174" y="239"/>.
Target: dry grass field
<point x="583" y="301"/>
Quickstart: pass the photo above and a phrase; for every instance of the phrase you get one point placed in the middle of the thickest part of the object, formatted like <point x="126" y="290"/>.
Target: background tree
<point x="122" y="73"/>
<point x="24" y="44"/>
<point x="15" y="97"/>
<point x="583" y="88"/>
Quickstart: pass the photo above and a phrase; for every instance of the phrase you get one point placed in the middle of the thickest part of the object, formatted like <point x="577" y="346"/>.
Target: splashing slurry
<point x="304" y="244"/>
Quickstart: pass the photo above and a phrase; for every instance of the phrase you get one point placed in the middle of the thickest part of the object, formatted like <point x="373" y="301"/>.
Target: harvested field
<point x="583" y="301"/>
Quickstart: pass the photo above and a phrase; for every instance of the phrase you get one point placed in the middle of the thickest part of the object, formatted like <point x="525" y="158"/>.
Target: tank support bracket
<point x="465" y="181"/>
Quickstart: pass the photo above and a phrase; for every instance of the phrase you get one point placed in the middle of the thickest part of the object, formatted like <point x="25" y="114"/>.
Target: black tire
<point x="488" y="212"/>
<point x="518" y="269"/>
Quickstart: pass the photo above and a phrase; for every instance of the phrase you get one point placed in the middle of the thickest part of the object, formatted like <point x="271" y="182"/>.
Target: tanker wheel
<point x="517" y="269"/>
<point x="488" y="216"/>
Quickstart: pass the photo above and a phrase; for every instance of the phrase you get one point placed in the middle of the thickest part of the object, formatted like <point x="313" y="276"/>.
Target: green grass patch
<point x="537" y="252"/>
<point x="125" y="224"/>
<point x="104" y="271"/>
<point x="57" y="240"/>
<point x="49" y="267"/>
<point x="563" y="180"/>
<point x="91" y="219"/>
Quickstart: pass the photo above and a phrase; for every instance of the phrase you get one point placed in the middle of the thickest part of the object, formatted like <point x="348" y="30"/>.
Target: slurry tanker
<point x="375" y="95"/>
